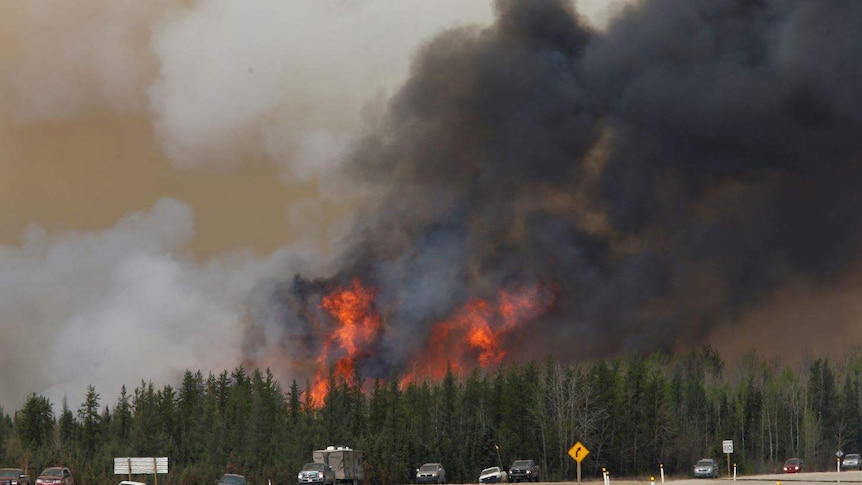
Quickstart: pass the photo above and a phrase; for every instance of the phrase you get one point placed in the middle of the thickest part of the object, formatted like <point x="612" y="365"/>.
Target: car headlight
<point x="299" y="477"/>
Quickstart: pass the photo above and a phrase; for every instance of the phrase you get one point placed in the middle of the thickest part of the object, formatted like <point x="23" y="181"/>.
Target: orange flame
<point x="473" y="336"/>
<point x="357" y="326"/>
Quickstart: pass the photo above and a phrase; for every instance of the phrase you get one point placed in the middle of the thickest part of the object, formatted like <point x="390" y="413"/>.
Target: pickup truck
<point x="524" y="471"/>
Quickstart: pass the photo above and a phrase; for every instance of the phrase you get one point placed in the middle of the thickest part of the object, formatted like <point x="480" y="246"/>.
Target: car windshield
<point x="52" y="472"/>
<point x="793" y="461"/>
<point x="313" y="467"/>
<point x="10" y="473"/>
<point x="521" y="463"/>
<point x="493" y="469"/>
<point x="704" y="463"/>
<point x="852" y="457"/>
<point x="428" y="467"/>
<point x="234" y="479"/>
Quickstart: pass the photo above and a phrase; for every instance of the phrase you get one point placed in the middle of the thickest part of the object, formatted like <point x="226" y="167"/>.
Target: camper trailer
<point x="345" y="462"/>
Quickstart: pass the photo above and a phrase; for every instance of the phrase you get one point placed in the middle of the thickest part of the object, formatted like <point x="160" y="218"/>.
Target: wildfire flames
<point x="474" y="336"/>
<point x="357" y="326"/>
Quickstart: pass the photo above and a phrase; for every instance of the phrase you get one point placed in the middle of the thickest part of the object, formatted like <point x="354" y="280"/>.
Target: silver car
<point x="852" y="461"/>
<point x="706" y="468"/>
<point x="431" y="473"/>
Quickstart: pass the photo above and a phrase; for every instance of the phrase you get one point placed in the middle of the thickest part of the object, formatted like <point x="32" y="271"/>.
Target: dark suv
<point x="524" y="471"/>
<point x="13" y="476"/>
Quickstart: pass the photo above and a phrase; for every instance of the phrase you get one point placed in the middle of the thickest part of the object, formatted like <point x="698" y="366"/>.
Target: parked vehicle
<point x="852" y="461"/>
<point x="793" y="465"/>
<point x="493" y="474"/>
<point x="129" y="482"/>
<point x="706" y="468"/>
<point x="13" y="476"/>
<point x="231" y="479"/>
<point x="316" y="473"/>
<point x="55" y="475"/>
<point x="346" y="463"/>
<point x="524" y="471"/>
<point x="431" y="473"/>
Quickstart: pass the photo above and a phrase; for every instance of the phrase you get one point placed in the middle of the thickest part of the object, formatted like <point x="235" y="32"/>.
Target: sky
<point x="157" y="159"/>
<point x="167" y="166"/>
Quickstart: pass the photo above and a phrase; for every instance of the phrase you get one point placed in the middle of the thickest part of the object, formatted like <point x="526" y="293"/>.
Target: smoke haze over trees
<point x="669" y="176"/>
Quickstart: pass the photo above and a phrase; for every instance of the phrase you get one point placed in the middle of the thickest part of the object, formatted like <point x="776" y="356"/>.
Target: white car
<point x="493" y="475"/>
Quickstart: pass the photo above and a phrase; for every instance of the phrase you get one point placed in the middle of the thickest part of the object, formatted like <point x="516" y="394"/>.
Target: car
<point x="13" y="476"/>
<point x="852" y="461"/>
<point x="231" y="479"/>
<point x="431" y="473"/>
<point x="524" y="471"/>
<point x="493" y="474"/>
<point x="129" y="482"/>
<point x="793" y="465"/>
<point x="706" y="468"/>
<point x="55" y="475"/>
<point x="316" y="473"/>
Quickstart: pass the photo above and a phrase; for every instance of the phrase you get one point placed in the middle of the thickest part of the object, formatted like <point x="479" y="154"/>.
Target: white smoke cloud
<point x="285" y="80"/>
<point x="119" y="306"/>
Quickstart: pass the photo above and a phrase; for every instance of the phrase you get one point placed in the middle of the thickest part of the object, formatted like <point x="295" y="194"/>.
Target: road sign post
<point x="578" y="452"/>
<point x="727" y="446"/>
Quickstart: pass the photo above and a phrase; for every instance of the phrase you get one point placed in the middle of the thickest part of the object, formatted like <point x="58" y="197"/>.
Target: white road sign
<point x="727" y="446"/>
<point x="140" y="466"/>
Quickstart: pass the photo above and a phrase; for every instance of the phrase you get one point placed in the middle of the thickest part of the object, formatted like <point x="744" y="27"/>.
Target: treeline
<point x="633" y="413"/>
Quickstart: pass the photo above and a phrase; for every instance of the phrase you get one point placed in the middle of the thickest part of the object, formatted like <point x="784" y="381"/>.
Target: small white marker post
<point x="661" y="469"/>
<point x="651" y="480"/>
<point x="734" y="472"/>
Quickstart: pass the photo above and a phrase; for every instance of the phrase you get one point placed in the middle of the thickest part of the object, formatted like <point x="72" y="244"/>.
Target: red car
<point x="793" y="465"/>
<point x="56" y="475"/>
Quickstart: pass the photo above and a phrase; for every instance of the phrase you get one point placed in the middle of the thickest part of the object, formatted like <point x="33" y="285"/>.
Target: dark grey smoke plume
<point x="658" y="177"/>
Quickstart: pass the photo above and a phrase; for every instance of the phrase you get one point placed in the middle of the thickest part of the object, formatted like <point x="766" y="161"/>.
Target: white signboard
<point x="727" y="446"/>
<point x="140" y="466"/>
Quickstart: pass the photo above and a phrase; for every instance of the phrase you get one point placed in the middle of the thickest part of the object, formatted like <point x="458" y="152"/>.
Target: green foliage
<point x="633" y="413"/>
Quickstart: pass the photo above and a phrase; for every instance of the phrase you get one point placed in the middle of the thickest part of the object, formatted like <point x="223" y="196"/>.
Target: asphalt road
<point x="790" y="478"/>
<point x="811" y="478"/>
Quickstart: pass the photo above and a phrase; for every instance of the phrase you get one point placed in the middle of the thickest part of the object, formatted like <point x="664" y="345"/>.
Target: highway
<point x="809" y="478"/>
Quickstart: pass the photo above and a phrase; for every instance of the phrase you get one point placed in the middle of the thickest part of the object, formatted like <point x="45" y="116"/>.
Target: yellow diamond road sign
<point x="578" y="452"/>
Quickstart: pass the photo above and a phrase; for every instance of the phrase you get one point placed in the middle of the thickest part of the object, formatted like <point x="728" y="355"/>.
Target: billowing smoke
<point x="122" y="255"/>
<point x="661" y="174"/>
<point x="660" y="178"/>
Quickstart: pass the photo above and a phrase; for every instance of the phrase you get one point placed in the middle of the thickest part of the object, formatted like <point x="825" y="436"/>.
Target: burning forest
<point x="543" y="188"/>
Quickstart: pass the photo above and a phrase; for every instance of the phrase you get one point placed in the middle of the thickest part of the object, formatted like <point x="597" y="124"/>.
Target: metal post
<point x="129" y="461"/>
<point x="661" y="468"/>
<point x="728" y="464"/>
<point x="734" y="472"/>
<point x="155" y="472"/>
<point x="579" y="472"/>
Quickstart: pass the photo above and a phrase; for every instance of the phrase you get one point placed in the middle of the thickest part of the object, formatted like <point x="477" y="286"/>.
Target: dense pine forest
<point x="632" y="412"/>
